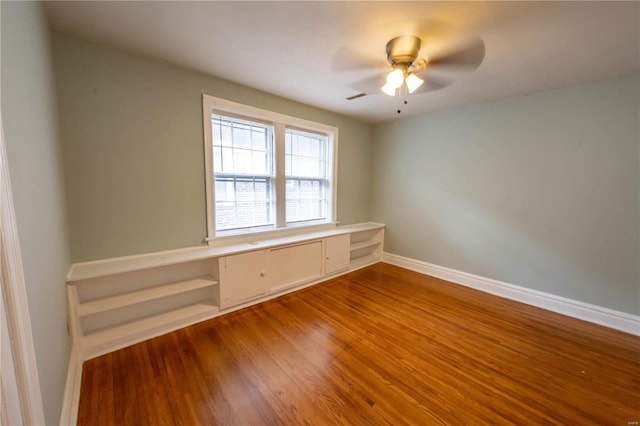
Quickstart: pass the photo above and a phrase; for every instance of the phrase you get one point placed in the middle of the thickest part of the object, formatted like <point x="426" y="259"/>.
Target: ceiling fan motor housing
<point x="403" y="50"/>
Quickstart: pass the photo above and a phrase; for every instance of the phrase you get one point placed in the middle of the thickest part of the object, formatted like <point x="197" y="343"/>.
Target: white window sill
<point x="225" y="239"/>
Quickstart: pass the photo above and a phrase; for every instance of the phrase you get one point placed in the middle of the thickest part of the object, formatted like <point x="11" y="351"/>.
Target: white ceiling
<point x="291" y="49"/>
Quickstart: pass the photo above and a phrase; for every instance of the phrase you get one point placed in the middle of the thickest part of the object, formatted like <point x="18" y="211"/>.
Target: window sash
<point x="243" y="173"/>
<point x="306" y="162"/>
<point x="242" y="209"/>
<point x="306" y="154"/>
<point x="234" y="154"/>
<point x="310" y="208"/>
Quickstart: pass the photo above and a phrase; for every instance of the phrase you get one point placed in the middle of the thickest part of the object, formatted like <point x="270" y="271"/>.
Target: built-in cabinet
<point x="117" y="302"/>
<point x="248" y="276"/>
<point x="244" y="276"/>
<point x="290" y="266"/>
<point x="336" y="254"/>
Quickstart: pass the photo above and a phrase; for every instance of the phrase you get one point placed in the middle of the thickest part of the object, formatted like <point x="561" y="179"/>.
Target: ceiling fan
<point x="411" y="73"/>
<point x="402" y="54"/>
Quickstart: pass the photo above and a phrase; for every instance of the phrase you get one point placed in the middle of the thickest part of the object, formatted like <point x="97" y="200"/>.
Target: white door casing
<point x="18" y="371"/>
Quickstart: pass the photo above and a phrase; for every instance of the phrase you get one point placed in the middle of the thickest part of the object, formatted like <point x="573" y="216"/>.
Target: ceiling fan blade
<point x="431" y="83"/>
<point x="348" y="59"/>
<point x="370" y="86"/>
<point x="354" y="97"/>
<point x="468" y="55"/>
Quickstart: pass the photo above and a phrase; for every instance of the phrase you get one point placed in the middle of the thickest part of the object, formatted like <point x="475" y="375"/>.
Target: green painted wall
<point x="132" y="134"/>
<point x="35" y="167"/>
<point x="539" y="191"/>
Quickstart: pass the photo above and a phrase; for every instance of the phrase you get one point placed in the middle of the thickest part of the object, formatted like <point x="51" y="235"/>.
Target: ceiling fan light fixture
<point x="395" y="78"/>
<point x="413" y="82"/>
<point x="389" y="90"/>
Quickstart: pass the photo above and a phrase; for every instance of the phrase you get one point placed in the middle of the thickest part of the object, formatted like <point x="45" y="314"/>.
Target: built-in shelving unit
<point x="365" y="247"/>
<point x="117" y="302"/>
<point x="126" y="299"/>
<point x="122" y="335"/>
<point x="110" y="311"/>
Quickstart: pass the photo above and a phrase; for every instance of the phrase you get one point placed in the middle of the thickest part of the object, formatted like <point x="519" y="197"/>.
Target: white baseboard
<point x="71" y="400"/>
<point x="572" y="308"/>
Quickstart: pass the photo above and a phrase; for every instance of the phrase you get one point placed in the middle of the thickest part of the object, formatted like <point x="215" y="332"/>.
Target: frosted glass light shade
<point x="389" y="90"/>
<point x="395" y="78"/>
<point x="413" y="82"/>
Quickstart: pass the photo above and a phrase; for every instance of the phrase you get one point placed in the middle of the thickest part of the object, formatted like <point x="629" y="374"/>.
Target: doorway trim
<point x="14" y="299"/>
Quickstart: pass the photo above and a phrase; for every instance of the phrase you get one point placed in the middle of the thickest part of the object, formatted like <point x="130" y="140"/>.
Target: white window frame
<point x="280" y="122"/>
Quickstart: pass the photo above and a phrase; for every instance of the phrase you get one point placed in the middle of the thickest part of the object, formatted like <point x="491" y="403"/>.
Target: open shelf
<point x="142" y="329"/>
<point x="366" y="247"/>
<point x="364" y="244"/>
<point x="132" y="298"/>
<point x="362" y="261"/>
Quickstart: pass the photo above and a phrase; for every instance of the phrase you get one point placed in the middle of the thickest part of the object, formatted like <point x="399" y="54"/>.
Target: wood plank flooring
<point x="382" y="345"/>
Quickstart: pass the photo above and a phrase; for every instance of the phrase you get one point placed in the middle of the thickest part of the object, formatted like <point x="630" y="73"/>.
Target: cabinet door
<point x="293" y="265"/>
<point x="242" y="277"/>
<point x="336" y="254"/>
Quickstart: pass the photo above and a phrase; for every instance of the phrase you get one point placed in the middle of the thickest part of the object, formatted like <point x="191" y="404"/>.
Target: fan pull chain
<point x="402" y="94"/>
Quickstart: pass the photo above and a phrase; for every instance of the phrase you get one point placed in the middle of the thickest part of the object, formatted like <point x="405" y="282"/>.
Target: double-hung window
<point x="266" y="171"/>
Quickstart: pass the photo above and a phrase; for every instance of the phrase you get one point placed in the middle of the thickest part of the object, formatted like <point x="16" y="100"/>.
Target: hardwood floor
<point x="382" y="345"/>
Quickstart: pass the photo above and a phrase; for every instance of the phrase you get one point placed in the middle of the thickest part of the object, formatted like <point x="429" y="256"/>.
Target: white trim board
<point x="71" y="398"/>
<point x="15" y="305"/>
<point x="572" y="308"/>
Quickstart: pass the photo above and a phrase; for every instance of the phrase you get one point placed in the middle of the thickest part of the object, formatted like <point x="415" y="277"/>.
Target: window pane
<point x="226" y="160"/>
<point x="221" y="133"/>
<point x="259" y="139"/>
<point x="305" y="200"/>
<point x="242" y="161"/>
<point x="243" y="170"/>
<point x="259" y="162"/>
<point x="243" y="203"/>
<point x="314" y="147"/>
<point x="224" y="190"/>
<point x="242" y="136"/>
<point x="217" y="158"/>
<point x="287" y="157"/>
